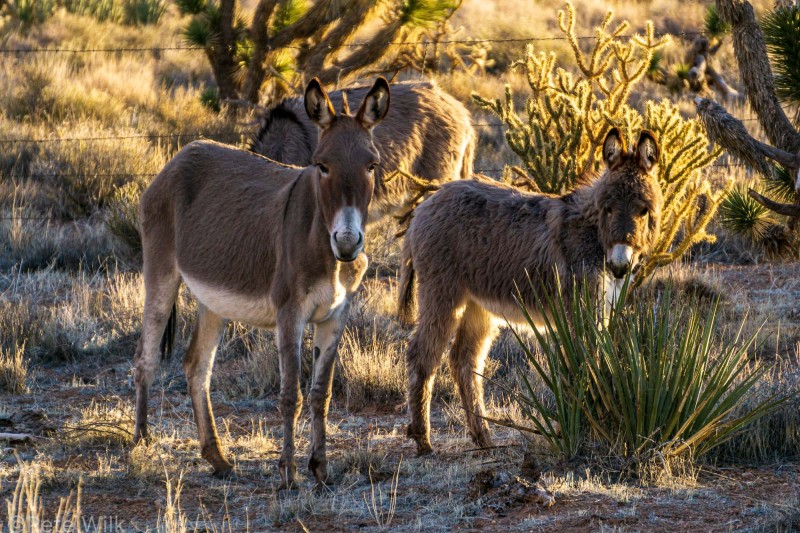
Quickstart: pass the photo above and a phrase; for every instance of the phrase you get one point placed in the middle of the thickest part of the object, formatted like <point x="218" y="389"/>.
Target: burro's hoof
<point x="225" y="473"/>
<point x="424" y="449"/>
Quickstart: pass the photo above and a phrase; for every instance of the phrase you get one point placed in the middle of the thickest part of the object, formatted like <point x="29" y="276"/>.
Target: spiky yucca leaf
<point x="191" y="7"/>
<point x="780" y="185"/>
<point x="654" y="70"/>
<point x="424" y="13"/>
<point x="210" y="98"/>
<point x="681" y="70"/>
<point x="742" y="215"/>
<point x="199" y="32"/>
<point x="714" y="25"/>
<point x="288" y="12"/>
<point x="781" y="29"/>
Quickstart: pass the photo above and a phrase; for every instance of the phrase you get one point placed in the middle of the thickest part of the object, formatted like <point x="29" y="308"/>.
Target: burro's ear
<point x="375" y="105"/>
<point x="647" y="150"/>
<point x="614" y="150"/>
<point x="318" y="105"/>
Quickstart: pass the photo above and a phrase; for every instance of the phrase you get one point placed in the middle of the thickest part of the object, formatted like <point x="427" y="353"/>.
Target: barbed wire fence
<point x="189" y="136"/>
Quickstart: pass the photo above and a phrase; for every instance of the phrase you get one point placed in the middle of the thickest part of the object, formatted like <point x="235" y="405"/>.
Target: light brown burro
<point x="427" y="132"/>
<point x="265" y="244"/>
<point x="472" y="243"/>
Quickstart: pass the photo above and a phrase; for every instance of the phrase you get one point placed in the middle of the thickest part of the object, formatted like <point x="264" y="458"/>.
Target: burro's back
<point x="427" y="132"/>
<point x="472" y="244"/>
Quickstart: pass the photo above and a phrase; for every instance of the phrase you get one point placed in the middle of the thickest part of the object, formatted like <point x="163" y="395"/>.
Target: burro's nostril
<point x="360" y="239"/>
<point x="335" y="236"/>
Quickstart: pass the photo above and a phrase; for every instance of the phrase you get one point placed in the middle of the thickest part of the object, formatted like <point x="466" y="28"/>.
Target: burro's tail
<point x="407" y="302"/>
<point x="168" y="338"/>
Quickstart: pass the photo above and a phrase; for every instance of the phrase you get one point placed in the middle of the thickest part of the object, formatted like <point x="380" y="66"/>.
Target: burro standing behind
<point x="472" y="243"/>
<point x="265" y="244"/>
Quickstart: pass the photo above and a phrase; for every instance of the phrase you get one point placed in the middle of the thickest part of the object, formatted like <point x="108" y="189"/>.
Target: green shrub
<point x="122" y="218"/>
<point x="129" y="12"/>
<point x="31" y="12"/>
<point x="659" y="379"/>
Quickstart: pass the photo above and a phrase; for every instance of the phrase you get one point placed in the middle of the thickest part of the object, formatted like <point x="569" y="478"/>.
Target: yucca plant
<point x="659" y="377"/>
<point x="741" y="214"/>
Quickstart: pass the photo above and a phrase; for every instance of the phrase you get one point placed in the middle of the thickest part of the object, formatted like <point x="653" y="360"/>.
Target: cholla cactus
<point x="569" y="115"/>
<point x="287" y="39"/>
<point x="778" y="162"/>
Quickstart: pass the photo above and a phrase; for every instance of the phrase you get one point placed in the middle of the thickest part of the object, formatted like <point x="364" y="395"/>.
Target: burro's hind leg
<point x="290" y="335"/>
<point x="467" y="359"/>
<point x="198" y="364"/>
<point x="161" y="283"/>
<point x="326" y="344"/>
<point x="437" y="320"/>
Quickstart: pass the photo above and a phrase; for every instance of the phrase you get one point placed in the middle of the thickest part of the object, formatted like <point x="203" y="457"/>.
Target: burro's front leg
<point x="290" y="334"/>
<point x="326" y="345"/>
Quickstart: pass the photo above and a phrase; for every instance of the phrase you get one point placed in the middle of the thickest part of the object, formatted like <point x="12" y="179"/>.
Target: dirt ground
<point x="80" y="416"/>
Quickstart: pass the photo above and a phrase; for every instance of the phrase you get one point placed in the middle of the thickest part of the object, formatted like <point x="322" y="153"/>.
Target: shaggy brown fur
<point x="472" y="243"/>
<point x="427" y="132"/>
<point x="265" y="244"/>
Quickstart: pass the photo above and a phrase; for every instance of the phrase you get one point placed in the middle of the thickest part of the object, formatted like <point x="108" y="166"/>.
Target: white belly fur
<point x="319" y="302"/>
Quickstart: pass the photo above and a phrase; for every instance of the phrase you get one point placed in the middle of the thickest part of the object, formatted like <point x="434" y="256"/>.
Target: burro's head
<point x="629" y="201"/>
<point x="345" y="162"/>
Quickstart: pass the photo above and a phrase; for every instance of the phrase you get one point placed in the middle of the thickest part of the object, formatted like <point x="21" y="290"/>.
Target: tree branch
<point x="751" y="54"/>
<point x="258" y="34"/>
<point x="729" y="133"/>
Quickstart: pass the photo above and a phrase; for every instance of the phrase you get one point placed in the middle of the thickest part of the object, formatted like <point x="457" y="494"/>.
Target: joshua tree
<point x="568" y="114"/>
<point x="286" y="38"/>
<point x="777" y="161"/>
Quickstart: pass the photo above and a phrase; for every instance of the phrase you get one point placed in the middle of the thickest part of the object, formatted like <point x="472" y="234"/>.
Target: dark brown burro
<point x="265" y="244"/>
<point x="472" y="243"/>
<point x="428" y="133"/>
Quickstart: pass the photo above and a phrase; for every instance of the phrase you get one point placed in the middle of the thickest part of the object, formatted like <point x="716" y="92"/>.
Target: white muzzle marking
<point x="347" y="237"/>
<point x="619" y="259"/>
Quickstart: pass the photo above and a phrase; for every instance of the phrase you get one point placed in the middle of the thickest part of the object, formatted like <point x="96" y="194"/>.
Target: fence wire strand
<point x="158" y="49"/>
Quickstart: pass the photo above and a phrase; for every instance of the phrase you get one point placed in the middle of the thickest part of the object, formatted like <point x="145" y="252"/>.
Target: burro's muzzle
<point x="620" y="259"/>
<point x="347" y="235"/>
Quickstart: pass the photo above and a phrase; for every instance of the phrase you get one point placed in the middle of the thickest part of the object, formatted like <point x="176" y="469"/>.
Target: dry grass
<point x="13" y="370"/>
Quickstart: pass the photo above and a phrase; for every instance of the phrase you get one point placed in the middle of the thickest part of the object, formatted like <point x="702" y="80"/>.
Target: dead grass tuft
<point x="13" y="370"/>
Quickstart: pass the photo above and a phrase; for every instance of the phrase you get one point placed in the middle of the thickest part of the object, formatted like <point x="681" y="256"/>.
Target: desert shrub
<point x="30" y="12"/>
<point x="568" y="114"/>
<point x="660" y="378"/>
<point x="101" y="424"/>
<point x="13" y="370"/>
<point x="372" y="369"/>
<point x="122" y="215"/>
<point x="130" y="12"/>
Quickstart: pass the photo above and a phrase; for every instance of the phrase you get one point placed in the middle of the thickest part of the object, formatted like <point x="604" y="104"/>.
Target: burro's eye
<point x="644" y="212"/>
<point x="608" y="209"/>
<point x="322" y="169"/>
<point x="371" y="168"/>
